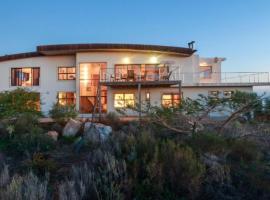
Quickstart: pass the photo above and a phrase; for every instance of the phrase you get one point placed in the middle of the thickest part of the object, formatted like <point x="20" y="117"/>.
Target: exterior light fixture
<point x="126" y="60"/>
<point x="153" y="59"/>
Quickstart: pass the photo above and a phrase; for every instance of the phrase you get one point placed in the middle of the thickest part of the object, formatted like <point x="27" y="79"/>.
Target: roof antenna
<point x="191" y="44"/>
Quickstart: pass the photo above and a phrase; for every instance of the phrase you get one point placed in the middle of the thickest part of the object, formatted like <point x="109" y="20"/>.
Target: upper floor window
<point x="206" y="71"/>
<point x="66" y="73"/>
<point x="67" y="98"/>
<point x="170" y="100"/>
<point x="26" y="76"/>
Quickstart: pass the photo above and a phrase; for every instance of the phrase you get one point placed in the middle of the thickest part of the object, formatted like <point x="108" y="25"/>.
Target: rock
<point x="96" y="131"/>
<point x="57" y="127"/>
<point x="53" y="134"/>
<point x="2" y="129"/>
<point x="72" y="128"/>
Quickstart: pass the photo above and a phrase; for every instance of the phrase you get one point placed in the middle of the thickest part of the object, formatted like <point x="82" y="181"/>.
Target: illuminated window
<point x="25" y="76"/>
<point x="228" y="94"/>
<point x="214" y="93"/>
<point x="124" y="100"/>
<point x="66" y="73"/>
<point x="67" y="98"/>
<point x="206" y="71"/>
<point x="170" y="100"/>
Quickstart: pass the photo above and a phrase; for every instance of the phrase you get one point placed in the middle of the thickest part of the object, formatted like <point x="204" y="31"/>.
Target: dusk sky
<point x="236" y="29"/>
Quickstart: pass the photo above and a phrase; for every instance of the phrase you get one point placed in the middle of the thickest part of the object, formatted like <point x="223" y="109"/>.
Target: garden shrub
<point x="62" y="113"/>
<point x="101" y="177"/>
<point x="208" y="143"/>
<point x="18" y="101"/>
<point x="27" y="187"/>
<point x="29" y="143"/>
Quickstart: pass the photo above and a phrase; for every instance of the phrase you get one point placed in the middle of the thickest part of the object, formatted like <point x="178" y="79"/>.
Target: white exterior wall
<point x="156" y="94"/>
<point x="49" y="83"/>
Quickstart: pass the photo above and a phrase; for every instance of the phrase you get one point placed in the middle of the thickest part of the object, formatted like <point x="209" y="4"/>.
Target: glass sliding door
<point x="90" y="74"/>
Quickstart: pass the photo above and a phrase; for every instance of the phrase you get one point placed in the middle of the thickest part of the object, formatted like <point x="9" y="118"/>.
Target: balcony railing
<point x="187" y="78"/>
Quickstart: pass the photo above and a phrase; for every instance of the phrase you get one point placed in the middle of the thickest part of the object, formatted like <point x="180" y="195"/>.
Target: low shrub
<point x="28" y="143"/>
<point x="208" y="143"/>
<point x="62" y="113"/>
<point x="112" y="119"/>
<point x="101" y="177"/>
<point x="28" y="187"/>
<point x="40" y="164"/>
<point x="18" y="101"/>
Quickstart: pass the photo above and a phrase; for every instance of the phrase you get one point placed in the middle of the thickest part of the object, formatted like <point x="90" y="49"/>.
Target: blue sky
<point x="236" y="29"/>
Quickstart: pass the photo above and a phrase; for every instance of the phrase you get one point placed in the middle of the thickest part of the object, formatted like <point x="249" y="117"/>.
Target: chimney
<point x="191" y="44"/>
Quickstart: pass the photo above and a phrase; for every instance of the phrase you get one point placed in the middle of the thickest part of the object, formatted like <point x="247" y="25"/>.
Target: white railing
<point x="187" y="78"/>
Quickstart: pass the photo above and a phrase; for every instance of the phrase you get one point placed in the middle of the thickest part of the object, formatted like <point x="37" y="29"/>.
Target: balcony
<point x="161" y="76"/>
<point x="146" y="76"/>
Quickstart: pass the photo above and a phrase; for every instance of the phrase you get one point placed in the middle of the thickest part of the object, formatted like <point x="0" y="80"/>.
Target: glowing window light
<point x="153" y="59"/>
<point x="126" y="60"/>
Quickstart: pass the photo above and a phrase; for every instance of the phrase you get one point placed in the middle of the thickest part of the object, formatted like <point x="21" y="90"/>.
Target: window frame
<point x="172" y="95"/>
<point x="124" y="100"/>
<point x="66" y="98"/>
<point x="16" y="81"/>
<point x="204" y="71"/>
<point x="210" y="93"/>
<point x="66" y="73"/>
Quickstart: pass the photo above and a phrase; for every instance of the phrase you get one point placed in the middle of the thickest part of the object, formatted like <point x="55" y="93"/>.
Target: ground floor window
<point x="170" y="100"/>
<point x="228" y="94"/>
<point x="124" y="100"/>
<point x="89" y="104"/>
<point x="214" y="93"/>
<point x="67" y="98"/>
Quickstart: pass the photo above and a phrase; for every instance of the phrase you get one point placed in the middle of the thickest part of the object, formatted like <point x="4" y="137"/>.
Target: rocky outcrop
<point x="96" y="131"/>
<point x="53" y="134"/>
<point x="72" y="128"/>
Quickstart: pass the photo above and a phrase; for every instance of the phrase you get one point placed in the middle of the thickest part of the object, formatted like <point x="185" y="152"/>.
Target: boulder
<point x="96" y="131"/>
<point x="53" y="134"/>
<point x="72" y="128"/>
<point x="2" y="128"/>
<point x="57" y="127"/>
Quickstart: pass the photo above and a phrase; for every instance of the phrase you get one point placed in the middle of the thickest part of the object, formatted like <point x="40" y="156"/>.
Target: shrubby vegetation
<point x="173" y="154"/>
<point x="13" y="103"/>
<point x="62" y="113"/>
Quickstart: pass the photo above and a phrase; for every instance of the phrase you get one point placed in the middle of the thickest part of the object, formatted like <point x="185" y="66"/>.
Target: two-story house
<point x="105" y="77"/>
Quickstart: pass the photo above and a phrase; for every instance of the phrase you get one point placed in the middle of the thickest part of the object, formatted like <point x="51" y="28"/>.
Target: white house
<point x="105" y="77"/>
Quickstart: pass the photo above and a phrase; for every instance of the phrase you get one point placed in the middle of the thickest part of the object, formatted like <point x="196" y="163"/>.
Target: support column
<point x="140" y="100"/>
<point x="180" y="89"/>
<point x="99" y="100"/>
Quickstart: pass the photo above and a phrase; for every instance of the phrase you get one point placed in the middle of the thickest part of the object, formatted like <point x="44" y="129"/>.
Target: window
<point x="206" y="71"/>
<point x="124" y="100"/>
<point x="90" y="74"/>
<point x="26" y="77"/>
<point x="228" y="94"/>
<point x="67" y="98"/>
<point x="66" y="73"/>
<point x="170" y="100"/>
<point x="214" y="93"/>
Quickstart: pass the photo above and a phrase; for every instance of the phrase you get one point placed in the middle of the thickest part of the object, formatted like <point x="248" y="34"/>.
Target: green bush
<point x="28" y="143"/>
<point x="62" y="113"/>
<point x="18" y="101"/>
<point x="24" y="187"/>
<point x="208" y="143"/>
